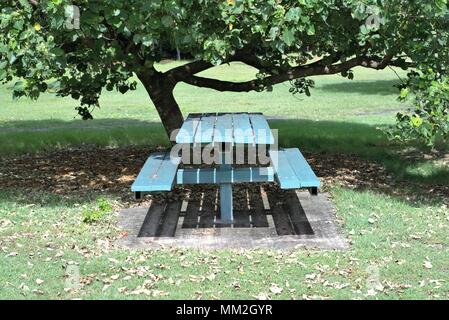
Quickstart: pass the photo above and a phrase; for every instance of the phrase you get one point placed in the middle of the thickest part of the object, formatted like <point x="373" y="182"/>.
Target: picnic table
<point x="225" y="131"/>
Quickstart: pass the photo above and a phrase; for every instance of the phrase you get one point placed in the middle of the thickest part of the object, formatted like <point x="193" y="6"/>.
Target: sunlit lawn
<point x="405" y="241"/>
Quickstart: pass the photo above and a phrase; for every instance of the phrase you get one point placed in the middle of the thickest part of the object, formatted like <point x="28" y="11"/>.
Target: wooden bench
<point x="158" y="174"/>
<point x="292" y="171"/>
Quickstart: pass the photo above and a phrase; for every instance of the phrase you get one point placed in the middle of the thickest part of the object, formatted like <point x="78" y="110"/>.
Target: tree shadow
<point x="379" y="87"/>
<point x="94" y="161"/>
<point x="36" y="136"/>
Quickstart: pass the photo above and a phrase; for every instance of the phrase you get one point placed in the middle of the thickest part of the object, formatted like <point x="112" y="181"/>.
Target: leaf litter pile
<point x="113" y="170"/>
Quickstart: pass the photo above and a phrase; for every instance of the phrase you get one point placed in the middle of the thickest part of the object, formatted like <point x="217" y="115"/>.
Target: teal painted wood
<point x="243" y="131"/>
<point x="302" y="169"/>
<point x="244" y="128"/>
<point x="205" y="130"/>
<point x="284" y="172"/>
<point x="223" y="129"/>
<point x="196" y="176"/>
<point x="158" y="173"/>
<point x="225" y="172"/>
<point x="188" y="128"/>
<point x="262" y="131"/>
<point x="292" y="170"/>
<point x="226" y="208"/>
<point x="232" y="175"/>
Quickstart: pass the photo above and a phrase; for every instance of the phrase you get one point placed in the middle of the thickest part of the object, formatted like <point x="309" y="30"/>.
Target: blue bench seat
<point x="158" y="174"/>
<point x="292" y="170"/>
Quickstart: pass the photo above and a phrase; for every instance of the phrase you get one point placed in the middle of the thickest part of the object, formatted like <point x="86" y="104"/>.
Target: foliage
<point x="93" y="215"/>
<point x="284" y="40"/>
<point x="430" y="115"/>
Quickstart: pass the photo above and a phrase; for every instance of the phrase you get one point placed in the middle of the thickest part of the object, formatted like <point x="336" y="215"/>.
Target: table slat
<point x="205" y="130"/>
<point x="188" y="128"/>
<point x="262" y="132"/>
<point x="223" y="128"/>
<point x="243" y="132"/>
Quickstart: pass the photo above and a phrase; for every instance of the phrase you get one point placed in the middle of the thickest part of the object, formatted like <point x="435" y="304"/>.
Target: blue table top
<point x="244" y="128"/>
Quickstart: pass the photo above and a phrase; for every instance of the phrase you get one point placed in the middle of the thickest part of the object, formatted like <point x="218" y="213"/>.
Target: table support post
<point x="226" y="208"/>
<point x="226" y="213"/>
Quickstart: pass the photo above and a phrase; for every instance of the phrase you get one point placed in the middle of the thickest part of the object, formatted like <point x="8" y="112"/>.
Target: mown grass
<point x="394" y="238"/>
<point x="405" y="242"/>
<point x="370" y="98"/>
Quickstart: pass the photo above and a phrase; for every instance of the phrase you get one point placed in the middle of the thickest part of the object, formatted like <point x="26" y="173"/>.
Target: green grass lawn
<point x="402" y="237"/>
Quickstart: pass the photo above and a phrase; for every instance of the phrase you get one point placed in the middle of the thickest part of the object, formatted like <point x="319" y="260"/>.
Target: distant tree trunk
<point x="160" y="88"/>
<point x="178" y="54"/>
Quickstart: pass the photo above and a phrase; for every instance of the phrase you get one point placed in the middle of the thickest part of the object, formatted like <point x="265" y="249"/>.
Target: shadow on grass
<point x="380" y="87"/>
<point x="20" y="137"/>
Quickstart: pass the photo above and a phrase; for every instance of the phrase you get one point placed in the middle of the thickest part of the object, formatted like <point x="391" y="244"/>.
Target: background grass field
<point x="403" y="235"/>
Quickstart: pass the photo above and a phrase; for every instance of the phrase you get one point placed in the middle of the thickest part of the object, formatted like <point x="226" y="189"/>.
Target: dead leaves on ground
<point x="112" y="170"/>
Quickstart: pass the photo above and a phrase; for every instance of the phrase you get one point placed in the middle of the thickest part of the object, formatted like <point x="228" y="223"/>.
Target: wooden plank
<point x="148" y="172"/>
<point x="243" y="131"/>
<point x="169" y="220"/>
<point x="226" y="208"/>
<point x="205" y="130"/>
<point x="230" y="175"/>
<point x="223" y="129"/>
<point x="302" y="169"/>
<point x="157" y="174"/>
<point x="167" y="171"/>
<point x="188" y="129"/>
<point x="284" y="172"/>
<point x="262" y="131"/>
<point x="196" y="176"/>
<point x="152" y="220"/>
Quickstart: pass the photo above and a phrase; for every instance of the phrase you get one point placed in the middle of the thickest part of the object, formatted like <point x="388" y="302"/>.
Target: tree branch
<point x="312" y="69"/>
<point x="195" y="67"/>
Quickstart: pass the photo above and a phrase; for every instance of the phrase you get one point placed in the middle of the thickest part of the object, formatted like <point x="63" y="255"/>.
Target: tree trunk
<point x="160" y="88"/>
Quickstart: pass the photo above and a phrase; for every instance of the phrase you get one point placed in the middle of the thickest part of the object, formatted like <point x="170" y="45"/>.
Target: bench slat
<point x="302" y="169"/>
<point x="284" y="172"/>
<point x="158" y="173"/>
<point x="292" y="169"/>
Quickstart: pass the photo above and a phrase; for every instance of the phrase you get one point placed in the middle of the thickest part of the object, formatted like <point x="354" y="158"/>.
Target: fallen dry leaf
<point x="276" y="289"/>
<point x="262" y="296"/>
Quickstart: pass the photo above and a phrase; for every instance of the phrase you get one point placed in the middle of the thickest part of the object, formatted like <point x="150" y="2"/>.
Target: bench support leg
<point x="313" y="191"/>
<point x="226" y="214"/>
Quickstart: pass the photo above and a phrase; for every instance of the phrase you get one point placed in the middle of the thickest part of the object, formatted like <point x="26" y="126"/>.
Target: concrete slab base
<point x="294" y="220"/>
